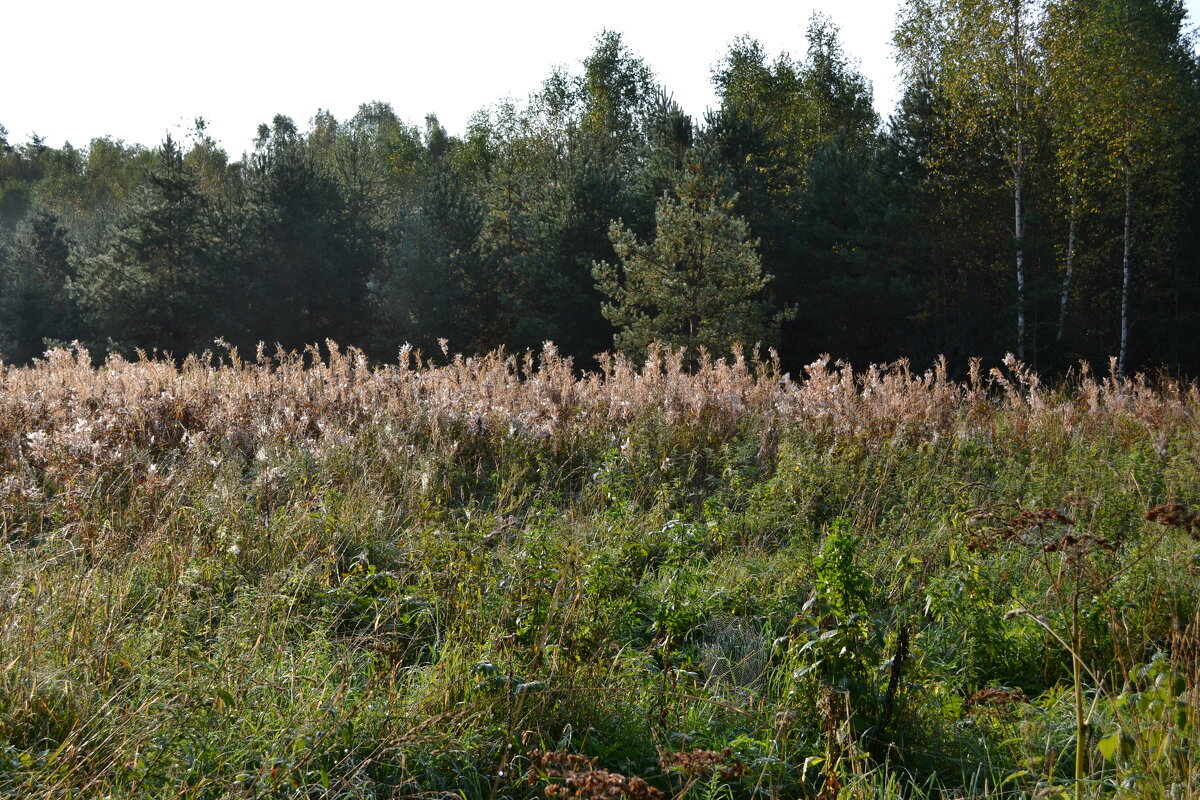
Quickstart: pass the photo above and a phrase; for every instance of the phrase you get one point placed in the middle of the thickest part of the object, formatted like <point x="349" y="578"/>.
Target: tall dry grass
<point x="64" y="408"/>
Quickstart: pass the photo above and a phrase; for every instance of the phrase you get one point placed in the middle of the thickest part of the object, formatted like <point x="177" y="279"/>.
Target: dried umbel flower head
<point x="601" y="784"/>
<point x="558" y="760"/>
<point x="1175" y="515"/>
<point x="1075" y="544"/>
<point x="1034" y="521"/>
<point x="703" y="763"/>
<point x="1039" y="529"/>
<point x="582" y="779"/>
<point x="995" y="698"/>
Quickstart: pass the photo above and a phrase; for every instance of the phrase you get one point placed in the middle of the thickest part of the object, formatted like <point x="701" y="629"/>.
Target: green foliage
<point x="802" y="105"/>
<point x="35" y="273"/>
<point x="416" y="291"/>
<point x="698" y="285"/>
<point x="840" y="581"/>
<point x="562" y="169"/>
<point x="302" y="259"/>
<point x="158" y="282"/>
<point x="832" y="644"/>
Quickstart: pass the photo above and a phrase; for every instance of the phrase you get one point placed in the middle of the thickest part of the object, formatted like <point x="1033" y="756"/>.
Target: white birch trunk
<point x="1019" y="234"/>
<point x="1068" y="270"/>
<point x="1126" y="276"/>
<point x="1019" y="172"/>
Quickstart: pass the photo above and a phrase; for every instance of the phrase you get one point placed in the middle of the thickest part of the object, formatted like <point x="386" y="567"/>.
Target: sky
<point x="139" y="69"/>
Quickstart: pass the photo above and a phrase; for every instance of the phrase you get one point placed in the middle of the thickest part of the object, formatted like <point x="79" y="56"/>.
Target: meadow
<point x="303" y="575"/>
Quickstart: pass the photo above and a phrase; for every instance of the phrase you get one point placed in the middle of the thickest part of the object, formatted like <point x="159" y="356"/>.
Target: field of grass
<point x="306" y="576"/>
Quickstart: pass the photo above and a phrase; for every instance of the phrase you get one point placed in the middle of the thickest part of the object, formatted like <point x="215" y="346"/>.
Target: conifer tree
<point x="158" y="283"/>
<point x="34" y="272"/>
<point x="416" y="292"/>
<point x="305" y="262"/>
<point x="564" y="168"/>
<point x="698" y="284"/>
<point x="776" y="119"/>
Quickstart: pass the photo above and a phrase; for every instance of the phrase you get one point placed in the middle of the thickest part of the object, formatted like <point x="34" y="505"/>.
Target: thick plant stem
<point x="1077" y="664"/>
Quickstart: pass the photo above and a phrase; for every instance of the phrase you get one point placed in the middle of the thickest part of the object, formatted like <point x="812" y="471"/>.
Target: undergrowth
<point x="304" y="576"/>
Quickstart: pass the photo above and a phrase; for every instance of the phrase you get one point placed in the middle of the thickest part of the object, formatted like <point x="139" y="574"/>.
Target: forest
<point x="1036" y="191"/>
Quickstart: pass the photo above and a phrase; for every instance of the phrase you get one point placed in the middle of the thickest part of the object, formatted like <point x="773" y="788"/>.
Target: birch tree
<point x="1071" y="78"/>
<point x="1139" y="106"/>
<point x="982" y="56"/>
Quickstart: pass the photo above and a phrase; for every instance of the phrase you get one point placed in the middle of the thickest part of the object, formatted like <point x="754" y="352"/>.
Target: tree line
<point x="1035" y="191"/>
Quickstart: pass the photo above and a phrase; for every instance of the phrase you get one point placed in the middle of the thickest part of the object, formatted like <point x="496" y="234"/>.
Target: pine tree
<point x="158" y="283"/>
<point x="775" y="120"/>
<point x="564" y="168"/>
<point x="34" y="306"/>
<point x="698" y="284"/>
<point x="305" y="260"/>
<point x="416" y="293"/>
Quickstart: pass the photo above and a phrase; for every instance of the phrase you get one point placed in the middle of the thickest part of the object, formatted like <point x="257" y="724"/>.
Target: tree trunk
<point x="1019" y="234"/>
<point x="1069" y="270"/>
<point x="1127" y="275"/>
<point x="1019" y="172"/>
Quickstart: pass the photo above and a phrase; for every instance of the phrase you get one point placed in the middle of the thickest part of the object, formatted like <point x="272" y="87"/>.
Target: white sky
<point x="136" y="69"/>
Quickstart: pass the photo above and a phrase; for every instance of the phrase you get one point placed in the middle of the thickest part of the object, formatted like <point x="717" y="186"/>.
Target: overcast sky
<point x="137" y="69"/>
